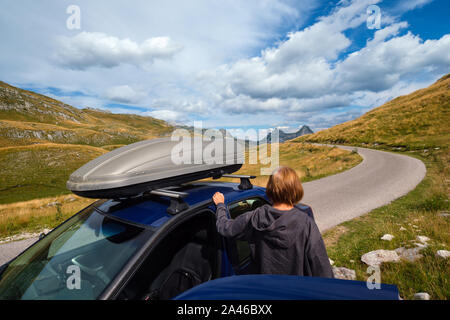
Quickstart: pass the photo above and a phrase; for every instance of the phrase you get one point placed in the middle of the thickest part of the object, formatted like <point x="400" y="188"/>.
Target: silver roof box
<point x="153" y="164"/>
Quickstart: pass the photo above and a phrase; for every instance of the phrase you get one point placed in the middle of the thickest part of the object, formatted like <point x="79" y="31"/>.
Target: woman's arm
<point x="235" y="228"/>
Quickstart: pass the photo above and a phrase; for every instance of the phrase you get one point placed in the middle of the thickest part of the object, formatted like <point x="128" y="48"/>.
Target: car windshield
<point x="78" y="260"/>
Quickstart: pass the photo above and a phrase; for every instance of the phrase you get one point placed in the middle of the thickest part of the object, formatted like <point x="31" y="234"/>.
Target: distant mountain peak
<point x="284" y="136"/>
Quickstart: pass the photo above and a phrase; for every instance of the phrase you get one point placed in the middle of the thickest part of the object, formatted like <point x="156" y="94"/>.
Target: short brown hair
<point x="284" y="186"/>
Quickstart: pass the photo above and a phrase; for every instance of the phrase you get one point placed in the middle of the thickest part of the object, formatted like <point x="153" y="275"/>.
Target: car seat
<point x="189" y="267"/>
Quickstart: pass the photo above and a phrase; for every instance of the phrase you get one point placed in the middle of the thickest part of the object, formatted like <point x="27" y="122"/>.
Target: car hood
<point x="285" y="287"/>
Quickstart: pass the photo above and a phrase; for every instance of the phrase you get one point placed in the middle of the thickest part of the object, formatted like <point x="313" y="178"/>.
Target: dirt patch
<point x="332" y="236"/>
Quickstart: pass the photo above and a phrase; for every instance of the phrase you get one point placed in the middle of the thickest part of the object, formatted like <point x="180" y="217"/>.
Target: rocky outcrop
<point x="344" y="273"/>
<point x="387" y="237"/>
<point x="377" y="257"/>
<point x="421" y="296"/>
<point x="444" y="254"/>
<point x="411" y="254"/>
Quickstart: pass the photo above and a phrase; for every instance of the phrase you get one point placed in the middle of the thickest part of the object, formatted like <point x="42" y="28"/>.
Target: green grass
<point x="40" y="171"/>
<point x="418" y="212"/>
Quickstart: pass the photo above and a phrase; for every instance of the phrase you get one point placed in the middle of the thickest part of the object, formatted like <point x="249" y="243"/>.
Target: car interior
<point x="187" y="256"/>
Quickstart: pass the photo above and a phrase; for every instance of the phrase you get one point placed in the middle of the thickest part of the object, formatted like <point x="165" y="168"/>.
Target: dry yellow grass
<point x="309" y="161"/>
<point x="112" y="147"/>
<point x="35" y="215"/>
<point x="60" y="146"/>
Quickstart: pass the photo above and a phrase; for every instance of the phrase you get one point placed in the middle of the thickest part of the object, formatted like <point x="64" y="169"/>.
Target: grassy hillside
<point x="43" y="140"/>
<point x="28" y="118"/>
<point x="40" y="170"/>
<point x="418" y="120"/>
<point x="416" y="125"/>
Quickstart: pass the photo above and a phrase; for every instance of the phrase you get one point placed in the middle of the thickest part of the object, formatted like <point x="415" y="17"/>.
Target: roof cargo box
<point x="154" y="164"/>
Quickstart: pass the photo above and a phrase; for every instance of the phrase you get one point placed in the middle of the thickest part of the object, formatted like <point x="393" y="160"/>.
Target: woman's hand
<point x="218" y="198"/>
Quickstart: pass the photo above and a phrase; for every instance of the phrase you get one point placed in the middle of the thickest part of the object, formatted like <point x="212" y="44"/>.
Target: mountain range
<point x="284" y="136"/>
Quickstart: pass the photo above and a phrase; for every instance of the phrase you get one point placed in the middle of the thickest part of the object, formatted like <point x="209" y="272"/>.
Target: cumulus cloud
<point x="254" y="72"/>
<point x="168" y="115"/>
<point x="381" y="65"/>
<point x="301" y="66"/>
<point x="96" y="49"/>
<point x="125" y="94"/>
<point x="312" y="70"/>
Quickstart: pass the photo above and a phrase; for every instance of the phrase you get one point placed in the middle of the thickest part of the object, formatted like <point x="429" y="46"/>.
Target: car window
<point x="95" y="245"/>
<point x="236" y="209"/>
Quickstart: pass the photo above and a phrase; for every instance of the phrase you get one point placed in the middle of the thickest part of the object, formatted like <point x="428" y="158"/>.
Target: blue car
<point x="159" y="244"/>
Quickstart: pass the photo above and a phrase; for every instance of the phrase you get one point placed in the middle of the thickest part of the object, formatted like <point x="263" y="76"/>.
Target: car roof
<point x="151" y="211"/>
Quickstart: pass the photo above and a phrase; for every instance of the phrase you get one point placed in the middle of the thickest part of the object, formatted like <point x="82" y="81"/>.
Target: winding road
<point x="379" y="179"/>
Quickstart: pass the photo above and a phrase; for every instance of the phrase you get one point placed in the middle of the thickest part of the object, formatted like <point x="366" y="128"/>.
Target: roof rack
<point x="177" y="203"/>
<point x="245" y="180"/>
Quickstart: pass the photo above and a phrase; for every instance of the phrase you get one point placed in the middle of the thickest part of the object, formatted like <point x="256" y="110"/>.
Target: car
<point x="144" y="240"/>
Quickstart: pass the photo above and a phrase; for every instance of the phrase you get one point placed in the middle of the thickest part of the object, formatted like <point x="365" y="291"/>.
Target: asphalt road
<point x="379" y="179"/>
<point x="11" y="249"/>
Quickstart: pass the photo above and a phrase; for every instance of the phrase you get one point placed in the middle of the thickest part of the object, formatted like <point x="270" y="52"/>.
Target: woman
<point x="284" y="239"/>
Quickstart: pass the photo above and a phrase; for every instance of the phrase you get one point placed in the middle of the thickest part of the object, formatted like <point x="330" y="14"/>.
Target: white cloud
<point x="311" y="72"/>
<point x="125" y="94"/>
<point x="96" y="49"/>
<point x="168" y="115"/>
<point x="233" y="72"/>
<point x="410" y="5"/>
<point x="301" y="66"/>
<point x="380" y="66"/>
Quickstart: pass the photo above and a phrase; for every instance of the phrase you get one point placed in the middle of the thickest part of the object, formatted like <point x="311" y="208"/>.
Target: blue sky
<point x="229" y="63"/>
